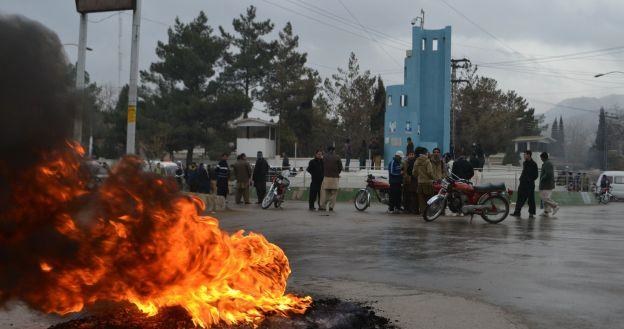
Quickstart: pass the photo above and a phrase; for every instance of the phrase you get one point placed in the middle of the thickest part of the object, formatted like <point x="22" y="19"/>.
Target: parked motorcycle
<point x="277" y="192"/>
<point x="605" y="196"/>
<point x="490" y="201"/>
<point x="376" y="186"/>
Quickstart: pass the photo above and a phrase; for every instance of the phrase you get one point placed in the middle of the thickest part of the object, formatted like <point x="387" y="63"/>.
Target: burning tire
<point x="497" y="210"/>
<point x="362" y="200"/>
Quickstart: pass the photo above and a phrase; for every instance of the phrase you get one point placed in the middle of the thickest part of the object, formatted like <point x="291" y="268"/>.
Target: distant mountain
<point x="574" y="108"/>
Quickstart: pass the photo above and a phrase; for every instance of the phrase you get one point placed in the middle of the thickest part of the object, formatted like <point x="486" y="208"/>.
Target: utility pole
<point x="80" y="76"/>
<point x="134" y="77"/>
<point x="119" y="53"/>
<point x="454" y="110"/>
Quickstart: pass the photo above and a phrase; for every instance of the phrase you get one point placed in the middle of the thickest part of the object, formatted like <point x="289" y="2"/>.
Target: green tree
<point x="600" y="147"/>
<point x="492" y="117"/>
<point x="186" y="91"/>
<point x="351" y="95"/>
<point x="379" y="111"/>
<point x="289" y="92"/>
<point x="247" y="67"/>
<point x="111" y="133"/>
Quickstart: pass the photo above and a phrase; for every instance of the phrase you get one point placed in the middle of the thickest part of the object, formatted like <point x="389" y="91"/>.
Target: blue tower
<point x="420" y="108"/>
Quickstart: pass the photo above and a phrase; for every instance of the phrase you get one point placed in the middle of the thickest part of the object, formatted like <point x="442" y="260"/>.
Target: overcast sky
<point x="485" y="31"/>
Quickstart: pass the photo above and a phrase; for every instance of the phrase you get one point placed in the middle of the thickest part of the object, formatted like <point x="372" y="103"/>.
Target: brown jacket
<point x="423" y="170"/>
<point x="332" y="166"/>
<point x="438" y="169"/>
<point x="242" y="171"/>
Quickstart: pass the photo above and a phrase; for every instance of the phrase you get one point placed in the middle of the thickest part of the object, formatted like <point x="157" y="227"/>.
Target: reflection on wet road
<point x="554" y="273"/>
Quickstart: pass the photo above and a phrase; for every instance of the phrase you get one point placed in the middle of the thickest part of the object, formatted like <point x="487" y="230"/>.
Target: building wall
<point x="251" y="146"/>
<point x="427" y="86"/>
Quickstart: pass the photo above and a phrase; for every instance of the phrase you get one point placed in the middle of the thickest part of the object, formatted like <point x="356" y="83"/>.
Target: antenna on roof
<point x="420" y="19"/>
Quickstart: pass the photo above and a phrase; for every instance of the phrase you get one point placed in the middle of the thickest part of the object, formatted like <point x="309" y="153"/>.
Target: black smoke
<point x="37" y="105"/>
<point x="37" y="99"/>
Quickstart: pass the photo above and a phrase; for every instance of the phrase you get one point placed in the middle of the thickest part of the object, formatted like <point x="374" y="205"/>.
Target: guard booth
<point x="535" y="144"/>
<point x="253" y="135"/>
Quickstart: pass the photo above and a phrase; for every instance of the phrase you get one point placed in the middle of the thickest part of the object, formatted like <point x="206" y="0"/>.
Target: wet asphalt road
<point x="552" y="273"/>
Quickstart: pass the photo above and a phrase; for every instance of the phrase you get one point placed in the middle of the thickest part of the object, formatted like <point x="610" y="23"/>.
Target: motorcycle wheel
<point x="361" y="200"/>
<point x="502" y="209"/>
<point x="277" y="204"/>
<point x="268" y="199"/>
<point x="434" y="210"/>
<point x="604" y="198"/>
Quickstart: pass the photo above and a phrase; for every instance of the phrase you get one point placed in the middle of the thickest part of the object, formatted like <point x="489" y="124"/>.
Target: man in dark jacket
<point x="315" y="168"/>
<point x="526" y="190"/>
<point x="410" y="146"/>
<point x="395" y="177"/>
<point x="260" y="172"/>
<point x="375" y="151"/>
<point x="462" y="168"/>
<point x="203" y="179"/>
<point x="363" y="154"/>
<point x="223" y="175"/>
<point x="347" y="151"/>
<point x="547" y="185"/>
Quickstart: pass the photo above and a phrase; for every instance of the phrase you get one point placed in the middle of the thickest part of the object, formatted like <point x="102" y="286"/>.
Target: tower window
<point x="424" y="44"/>
<point x="434" y="47"/>
<point x="403" y="100"/>
<point x="389" y="100"/>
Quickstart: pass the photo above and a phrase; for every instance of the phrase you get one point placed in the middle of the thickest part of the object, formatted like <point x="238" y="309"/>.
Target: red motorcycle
<point x="490" y="201"/>
<point x="277" y="192"/>
<point x="380" y="188"/>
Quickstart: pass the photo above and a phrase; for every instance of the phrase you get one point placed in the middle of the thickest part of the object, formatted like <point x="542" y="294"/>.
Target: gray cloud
<point x="533" y="28"/>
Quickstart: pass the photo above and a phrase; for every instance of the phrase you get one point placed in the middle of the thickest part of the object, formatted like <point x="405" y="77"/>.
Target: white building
<point x="253" y="135"/>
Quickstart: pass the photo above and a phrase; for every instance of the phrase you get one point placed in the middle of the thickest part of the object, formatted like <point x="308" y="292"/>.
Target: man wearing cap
<point x="396" y="179"/>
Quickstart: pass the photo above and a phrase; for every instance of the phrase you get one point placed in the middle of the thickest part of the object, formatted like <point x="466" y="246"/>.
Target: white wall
<point x="251" y="146"/>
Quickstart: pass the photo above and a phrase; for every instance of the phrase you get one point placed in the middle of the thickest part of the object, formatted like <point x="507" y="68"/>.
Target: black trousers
<point x="395" y="196"/>
<point x="260" y="189"/>
<point x="315" y="194"/>
<point x="222" y="187"/>
<point x="526" y="192"/>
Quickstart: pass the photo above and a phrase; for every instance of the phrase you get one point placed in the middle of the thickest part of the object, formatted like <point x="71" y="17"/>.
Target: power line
<point x="143" y="18"/>
<point x="322" y="22"/>
<point x="603" y="52"/>
<point x="491" y="35"/>
<point x="564" y="106"/>
<point x="102" y="19"/>
<point x="328" y="14"/>
<point x="369" y="34"/>
<point x="587" y="81"/>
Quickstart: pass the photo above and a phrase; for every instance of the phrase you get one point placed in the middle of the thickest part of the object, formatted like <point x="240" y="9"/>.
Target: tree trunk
<point x="189" y="155"/>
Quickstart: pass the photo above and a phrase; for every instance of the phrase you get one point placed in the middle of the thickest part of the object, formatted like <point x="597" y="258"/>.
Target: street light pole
<point x="80" y="76"/>
<point x="134" y="76"/>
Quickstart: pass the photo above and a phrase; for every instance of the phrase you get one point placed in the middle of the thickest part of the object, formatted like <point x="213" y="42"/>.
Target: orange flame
<point x="137" y="239"/>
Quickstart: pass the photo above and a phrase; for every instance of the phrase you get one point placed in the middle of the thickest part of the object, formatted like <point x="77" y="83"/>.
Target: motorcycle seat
<point x="490" y="187"/>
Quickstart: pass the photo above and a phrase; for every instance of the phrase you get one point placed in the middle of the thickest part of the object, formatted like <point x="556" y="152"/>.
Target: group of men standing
<point x="325" y="171"/>
<point x="245" y="177"/>
<point x="411" y="178"/>
<point x="526" y="190"/>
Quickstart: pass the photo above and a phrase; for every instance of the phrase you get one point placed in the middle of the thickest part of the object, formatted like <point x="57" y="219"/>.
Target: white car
<point x="617" y="183"/>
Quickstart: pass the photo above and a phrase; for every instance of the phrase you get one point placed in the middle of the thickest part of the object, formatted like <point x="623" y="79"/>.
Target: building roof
<point x="542" y="139"/>
<point x="242" y="122"/>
